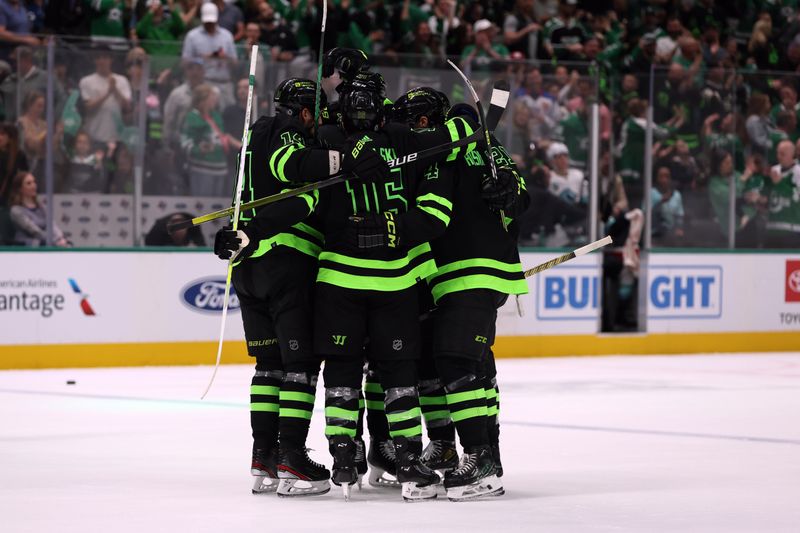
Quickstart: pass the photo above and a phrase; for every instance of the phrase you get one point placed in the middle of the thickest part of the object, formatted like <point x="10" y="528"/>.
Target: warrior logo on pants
<point x="339" y="340"/>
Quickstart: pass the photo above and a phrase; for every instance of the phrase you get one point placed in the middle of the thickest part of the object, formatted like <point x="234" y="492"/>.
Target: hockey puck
<point x="70" y="382"/>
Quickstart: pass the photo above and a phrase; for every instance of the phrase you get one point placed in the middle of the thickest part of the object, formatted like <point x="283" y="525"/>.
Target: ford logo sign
<point x="206" y="295"/>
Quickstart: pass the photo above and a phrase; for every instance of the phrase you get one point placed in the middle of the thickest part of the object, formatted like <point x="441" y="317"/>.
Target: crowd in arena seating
<point x="722" y="79"/>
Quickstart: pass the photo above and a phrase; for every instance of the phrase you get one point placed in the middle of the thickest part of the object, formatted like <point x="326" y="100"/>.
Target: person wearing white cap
<point x="214" y="45"/>
<point x="483" y="52"/>
<point x="566" y="183"/>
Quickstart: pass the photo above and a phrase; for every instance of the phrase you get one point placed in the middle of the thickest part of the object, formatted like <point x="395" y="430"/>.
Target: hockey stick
<point x="319" y="61"/>
<point x="251" y="81"/>
<point x="482" y="117"/>
<point x="497" y="105"/>
<point x="592" y="246"/>
<point x="309" y="187"/>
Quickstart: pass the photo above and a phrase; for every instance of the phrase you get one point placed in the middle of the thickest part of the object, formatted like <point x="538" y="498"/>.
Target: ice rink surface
<point x="679" y="443"/>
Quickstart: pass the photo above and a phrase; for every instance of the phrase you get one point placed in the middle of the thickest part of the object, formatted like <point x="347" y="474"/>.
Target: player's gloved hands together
<point x="229" y="243"/>
<point x="347" y="61"/>
<point x="365" y="163"/>
<point x="501" y="194"/>
<point x="374" y="230"/>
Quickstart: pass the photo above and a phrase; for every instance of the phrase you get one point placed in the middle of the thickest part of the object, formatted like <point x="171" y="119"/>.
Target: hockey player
<point x="478" y="267"/>
<point x="274" y="279"/>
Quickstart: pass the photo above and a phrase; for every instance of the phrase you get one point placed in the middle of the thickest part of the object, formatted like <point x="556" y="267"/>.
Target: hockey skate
<point x="418" y="482"/>
<point x="361" y="459"/>
<point x="300" y="476"/>
<point x="264" y="468"/>
<point x="345" y="475"/>
<point x="475" y="477"/>
<point x="382" y="464"/>
<point x="440" y="455"/>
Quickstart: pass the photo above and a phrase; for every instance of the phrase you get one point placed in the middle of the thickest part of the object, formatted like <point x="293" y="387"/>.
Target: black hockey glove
<point x="347" y="61"/>
<point x="501" y="194"/>
<point x="374" y="230"/>
<point x="366" y="164"/>
<point x="236" y="244"/>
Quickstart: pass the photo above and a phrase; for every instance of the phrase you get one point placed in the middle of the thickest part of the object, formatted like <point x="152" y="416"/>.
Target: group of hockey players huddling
<point x="400" y="268"/>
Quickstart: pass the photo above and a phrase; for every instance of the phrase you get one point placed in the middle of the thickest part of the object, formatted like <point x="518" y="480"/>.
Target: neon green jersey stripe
<point x="436" y="415"/>
<point x="282" y="162"/>
<point x="338" y="412"/>
<point x="265" y="390"/>
<point x="410" y="432"/>
<point x="297" y="396"/>
<point x="479" y="281"/>
<point x="472" y="412"/>
<point x="287" y="239"/>
<point x="370" y="386"/>
<point x="331" y="431"/>
<point x="274" y="159"/>
<point x="369" y="283"/>
<point x="373" y="405"/>
<point x="436" y="213"/>
<point x="436" y="198"/>
<point x="477" y="262"/>
<point x="376" y="264"/>
<point x="491" y="393"/>
<point x="264" y="407"/>
<point x="308" y="229"/>
<point x="492" y="411"/>
<point x="294" y="413"/>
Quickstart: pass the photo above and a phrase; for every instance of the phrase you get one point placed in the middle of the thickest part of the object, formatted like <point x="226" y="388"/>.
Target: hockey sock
<point x="296" y="406"/>
<point x="361" y="409"/>
<point x="433" y="402"/>
<point x="377" y="424"/>
<point x="492" y="398"/>
<point x="264" y="406"/>
<point x="466" y="399"/>
<point x="343" y="377"/>
<point x="401" y="399"/>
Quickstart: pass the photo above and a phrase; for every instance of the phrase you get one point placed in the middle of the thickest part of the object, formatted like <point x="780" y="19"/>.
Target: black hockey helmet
<point x="361" y="102"/>
<point x="463" y="110"/>
<point x="421" y="101"/>
<point x="294" y="94"/>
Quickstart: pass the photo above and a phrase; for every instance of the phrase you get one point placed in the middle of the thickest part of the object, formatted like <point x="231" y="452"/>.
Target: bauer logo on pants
<point x="792" y="290"/>
<point x="206" y="295"/>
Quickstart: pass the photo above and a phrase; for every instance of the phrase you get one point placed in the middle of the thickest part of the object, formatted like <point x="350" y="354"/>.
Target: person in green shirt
<point x="783" y="226"/>
<point x="160" y="36"/>
<point x="480" y="55"/>
<point x="106" y="24"/>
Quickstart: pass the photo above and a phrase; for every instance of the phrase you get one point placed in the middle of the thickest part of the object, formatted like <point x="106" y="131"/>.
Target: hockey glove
<point x="365" y="164"/>
<point x="374" y="230"/>
<point x="347" y="61"/>
<point x="232" y="244"/>
<point x="501" y="194"/>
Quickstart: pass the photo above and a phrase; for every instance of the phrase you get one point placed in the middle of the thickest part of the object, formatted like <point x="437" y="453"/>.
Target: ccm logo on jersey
<point x="402" y="160"/>
<point x="792" y="289"/>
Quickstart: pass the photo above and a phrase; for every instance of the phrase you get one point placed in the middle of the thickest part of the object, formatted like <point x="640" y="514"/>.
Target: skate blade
<point x="381" y="479"/>
<point x="265" y="485"/>
<point x="293" y="487"/>
<point x="490" y="486"/>
<point x="413" y="493"/>
<point x="346" y="492"/>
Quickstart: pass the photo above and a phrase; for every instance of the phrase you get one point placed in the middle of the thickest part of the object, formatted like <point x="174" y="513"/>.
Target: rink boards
<point x="120" y="308"/>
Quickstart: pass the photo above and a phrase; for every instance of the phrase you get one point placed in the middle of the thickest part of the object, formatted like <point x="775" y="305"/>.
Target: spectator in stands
<point x="564" y="35"/>
<point x="12" y="160"/>
<point x="26" y="77"/>
<point x="668" y="211"/>
<point x="206" y="144"/>
<point x="15" y="27"/>
<point x="85" y="170"/>
<point x="121" y="170"/>
<point x="159" y="236"/>
<point x="479" y="56"/>
<point x="565" y="182"/>
<point x="278" y="37"/>
<point x="106" y="97"/>
<point x="106" y="24"/>
<point x="759" y="127"/>
<point x="160" y="36"/>
<point x="443" y="22"/>
<point x="33" y="130"/>
<point x="179" y="101"/>
<point x="189" y="11"/>
<point x="28" y="214"/>
<point x="214" y="45"/>
<point x="667" y="43"/>
<point x="719" y="186"/>
<point x="783" y="226"/>
<point x="726" y="138"/>
<point x="760" y="48"/>
<point x="521" y="30"/>
<point x="230" y="18"/>
<point x="683" y="167"/>
<point x="233" y="115"/>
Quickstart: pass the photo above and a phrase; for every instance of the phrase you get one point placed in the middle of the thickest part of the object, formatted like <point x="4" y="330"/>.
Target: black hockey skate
<point x="475" y="477"/>
<point x="300" y="476"/>
<point x="361" y="459"/>
<point x="382" y="464"/>
<point x="345" y="475"/>
<point x="265" y="469"/>
<point x="418" y="482"/>
<point x="496" y="457"/>
<point x="440" y="455"/>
